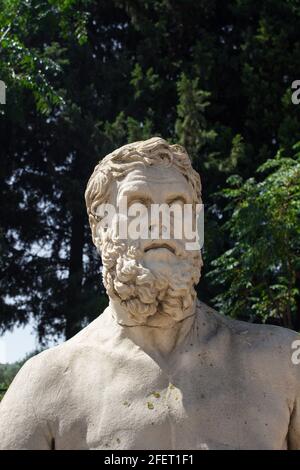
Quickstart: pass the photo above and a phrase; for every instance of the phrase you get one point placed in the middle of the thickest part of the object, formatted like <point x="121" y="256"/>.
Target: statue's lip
<point x="159" y="244"/>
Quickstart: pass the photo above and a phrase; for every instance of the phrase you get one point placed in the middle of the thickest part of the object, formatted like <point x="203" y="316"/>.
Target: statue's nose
<point x="158" y="230"/>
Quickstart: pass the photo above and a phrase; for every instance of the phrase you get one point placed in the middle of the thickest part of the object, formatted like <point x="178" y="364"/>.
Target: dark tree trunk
<point x="73" y="314"/>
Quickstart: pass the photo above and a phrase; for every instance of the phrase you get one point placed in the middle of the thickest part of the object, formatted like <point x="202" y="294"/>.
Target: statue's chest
<point x="194" y="405"/>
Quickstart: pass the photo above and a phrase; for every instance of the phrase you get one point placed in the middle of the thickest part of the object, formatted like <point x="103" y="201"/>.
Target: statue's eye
<point x="176" y="202"/>
<point x="139" y="200"/>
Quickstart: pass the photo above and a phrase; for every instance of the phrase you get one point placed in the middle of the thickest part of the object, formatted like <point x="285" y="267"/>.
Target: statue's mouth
<point x="156" y="245"/>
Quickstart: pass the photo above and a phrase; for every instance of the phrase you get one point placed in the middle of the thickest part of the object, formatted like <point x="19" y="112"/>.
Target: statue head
<point x="148" y="276"/>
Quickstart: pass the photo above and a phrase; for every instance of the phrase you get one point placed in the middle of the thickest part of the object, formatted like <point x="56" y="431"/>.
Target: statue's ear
<point x="96" y="235"/>
<point x="98" y="244"/>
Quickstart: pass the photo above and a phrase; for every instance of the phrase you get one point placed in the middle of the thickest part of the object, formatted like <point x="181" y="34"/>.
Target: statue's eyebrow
<point x="131" y="192"/>
<point x="177" y="196"/>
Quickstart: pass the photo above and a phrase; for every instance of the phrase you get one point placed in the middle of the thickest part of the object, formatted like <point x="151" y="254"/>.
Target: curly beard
<point x="167" y="289"/>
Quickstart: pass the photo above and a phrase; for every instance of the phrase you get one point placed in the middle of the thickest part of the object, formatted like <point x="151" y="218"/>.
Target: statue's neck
<point x="159" y="335"/>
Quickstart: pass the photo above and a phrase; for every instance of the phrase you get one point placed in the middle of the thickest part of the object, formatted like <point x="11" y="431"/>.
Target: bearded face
<point x="151" y="277"/>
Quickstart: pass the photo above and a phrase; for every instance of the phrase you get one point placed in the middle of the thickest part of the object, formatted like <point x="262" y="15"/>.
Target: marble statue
<point x="158" y="369"/>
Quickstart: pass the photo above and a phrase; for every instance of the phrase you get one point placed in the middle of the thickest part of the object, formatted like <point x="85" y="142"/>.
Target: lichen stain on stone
<point x="150" y="405"/>
<point x="156" y="394"/>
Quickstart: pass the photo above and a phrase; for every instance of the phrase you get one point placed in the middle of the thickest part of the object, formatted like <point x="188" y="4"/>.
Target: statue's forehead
<point x="157" y="175"/>
<point x="158" y="180"/>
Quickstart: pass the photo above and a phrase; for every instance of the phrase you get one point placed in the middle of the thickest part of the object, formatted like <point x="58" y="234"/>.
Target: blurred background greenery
<point x="84" y="77"/>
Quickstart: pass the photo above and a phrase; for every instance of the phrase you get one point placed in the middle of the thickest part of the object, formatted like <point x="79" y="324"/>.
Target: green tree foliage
<point x="7" y="374"/>
<point x="191" y="124"/>
<point x="22" y="63"/>
<point x="260" y="273"/>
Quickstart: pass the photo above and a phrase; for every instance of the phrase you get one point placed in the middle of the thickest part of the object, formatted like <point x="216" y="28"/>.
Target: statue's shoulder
<point x="53" y="363"/>
<point x="261" y="339"/>
<point x="45" y="380"/>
